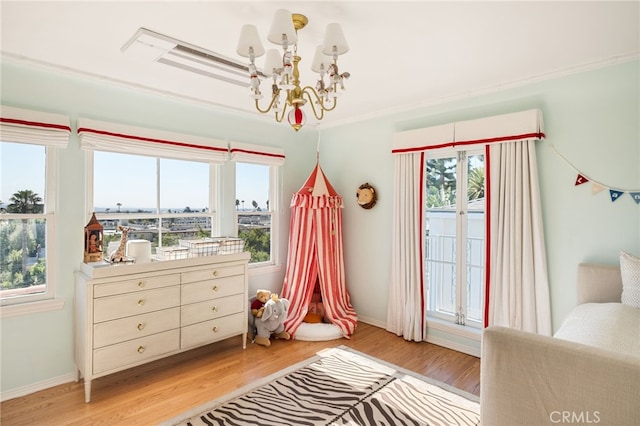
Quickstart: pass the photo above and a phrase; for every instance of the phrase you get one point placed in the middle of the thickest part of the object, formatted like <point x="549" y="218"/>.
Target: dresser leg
<point x="87" y="390"/>
<point x="244" y="340"/>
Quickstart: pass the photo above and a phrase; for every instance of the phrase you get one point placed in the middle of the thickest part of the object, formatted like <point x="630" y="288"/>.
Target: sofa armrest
<point x="598" y="283"/>
<point x="530" y="379"/>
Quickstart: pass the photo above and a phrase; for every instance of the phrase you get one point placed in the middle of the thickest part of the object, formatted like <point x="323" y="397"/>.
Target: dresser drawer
<point x="212" y="273"/>
<point x="139" y="302"/>
<point x="213" y="330"/>
<point x="120" y="330"/>
<point x="135" y="351"/>
<point x="210" y="309"/>
<point x="135" y="284"/>
<point x="205" y="290"/>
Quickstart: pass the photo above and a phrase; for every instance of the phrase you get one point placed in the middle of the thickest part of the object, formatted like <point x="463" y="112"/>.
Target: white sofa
<point x="588" y="373"/>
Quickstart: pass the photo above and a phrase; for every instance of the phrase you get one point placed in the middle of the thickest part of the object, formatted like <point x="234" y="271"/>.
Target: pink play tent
<point x="316" y="256"/>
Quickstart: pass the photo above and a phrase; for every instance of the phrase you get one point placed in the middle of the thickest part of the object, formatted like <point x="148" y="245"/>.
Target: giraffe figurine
<point x="118" y="254"/>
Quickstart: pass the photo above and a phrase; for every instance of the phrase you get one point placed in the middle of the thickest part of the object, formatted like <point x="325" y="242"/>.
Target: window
<point x="26" y="222"/>
<point x="253" y="209"/>
<point x="160" y="200"/>
<point x="455" y="235"/>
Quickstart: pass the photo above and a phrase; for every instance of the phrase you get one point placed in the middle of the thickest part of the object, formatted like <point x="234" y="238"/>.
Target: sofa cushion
<point x="611" y="326"/>
<point x="630" y="271"/>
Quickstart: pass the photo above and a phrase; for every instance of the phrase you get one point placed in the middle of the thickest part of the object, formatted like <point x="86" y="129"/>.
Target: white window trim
<point x="23" y="305"/>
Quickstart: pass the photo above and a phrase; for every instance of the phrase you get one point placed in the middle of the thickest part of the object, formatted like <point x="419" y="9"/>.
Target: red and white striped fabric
<point x="316" y="255"/>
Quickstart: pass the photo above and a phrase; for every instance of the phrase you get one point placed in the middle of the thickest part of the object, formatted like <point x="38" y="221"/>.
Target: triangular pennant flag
<point x="635" y="196"/>
<point x="580" y="180"/>
<point x="595" y="188"/>
<point x="615" y="194"/>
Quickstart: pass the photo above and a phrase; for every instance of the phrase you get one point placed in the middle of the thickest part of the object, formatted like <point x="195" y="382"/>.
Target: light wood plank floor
<point x="160" y="390"/>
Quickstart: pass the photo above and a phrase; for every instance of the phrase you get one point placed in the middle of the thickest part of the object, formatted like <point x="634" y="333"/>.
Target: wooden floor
<point x="160" y="390"/>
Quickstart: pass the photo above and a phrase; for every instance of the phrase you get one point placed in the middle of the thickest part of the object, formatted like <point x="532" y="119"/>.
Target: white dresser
<point x="127" y="315"/>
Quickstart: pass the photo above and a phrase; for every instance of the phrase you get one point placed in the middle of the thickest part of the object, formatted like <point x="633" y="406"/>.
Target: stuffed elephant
<point x="272" y="321"/>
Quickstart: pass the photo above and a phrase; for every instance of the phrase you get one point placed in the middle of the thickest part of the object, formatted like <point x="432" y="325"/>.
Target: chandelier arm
<point x="273" y="100"/>
<point x="279" y="120"/>
<point x="319" y="100"/>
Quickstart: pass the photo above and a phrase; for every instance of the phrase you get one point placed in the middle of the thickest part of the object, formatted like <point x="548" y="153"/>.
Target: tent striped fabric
<point x="316" y="255"/>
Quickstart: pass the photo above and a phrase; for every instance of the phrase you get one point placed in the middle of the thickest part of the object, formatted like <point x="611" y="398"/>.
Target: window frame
<point x="17" y="303"/>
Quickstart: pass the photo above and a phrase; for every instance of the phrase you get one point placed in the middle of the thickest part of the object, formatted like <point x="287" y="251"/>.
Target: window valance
<point x="501" y="128"/>
<point x="256" y="154"/>
<point x="34" y="127"/>
<point x="104" y="136"/>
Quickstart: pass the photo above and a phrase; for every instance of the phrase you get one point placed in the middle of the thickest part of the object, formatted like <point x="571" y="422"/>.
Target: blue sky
<point x="182" y="183"/>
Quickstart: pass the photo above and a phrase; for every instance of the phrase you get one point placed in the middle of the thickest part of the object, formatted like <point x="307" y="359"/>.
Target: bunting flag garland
<point x="614" y="193"/>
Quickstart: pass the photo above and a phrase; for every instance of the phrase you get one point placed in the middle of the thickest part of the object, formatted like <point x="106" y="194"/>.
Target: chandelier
<point x="286" y="92"/>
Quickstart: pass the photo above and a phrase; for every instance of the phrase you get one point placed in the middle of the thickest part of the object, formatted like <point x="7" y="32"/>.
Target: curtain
<point x="406" y="304"/>
<point x="516" y="287"/>
<point x="257" y="154"/>
<point x="34" y="127"/>
<point x="115" y="137"/>
<point x="517" y="295"/>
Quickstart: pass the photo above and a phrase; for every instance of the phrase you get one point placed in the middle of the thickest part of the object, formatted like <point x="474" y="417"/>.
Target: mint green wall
<point x="38" y="348"/>
<point x="592" y="118"/>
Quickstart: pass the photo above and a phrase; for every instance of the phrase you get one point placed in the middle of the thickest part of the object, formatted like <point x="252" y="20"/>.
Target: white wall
<point x="592" y="118"/>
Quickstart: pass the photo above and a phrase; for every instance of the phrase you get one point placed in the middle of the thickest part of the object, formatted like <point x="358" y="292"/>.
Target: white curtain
<point x="517" y="290"/>
<point x="34" y="127"/>
<point x="518" y="293"/>
<point x="406" y="304"/>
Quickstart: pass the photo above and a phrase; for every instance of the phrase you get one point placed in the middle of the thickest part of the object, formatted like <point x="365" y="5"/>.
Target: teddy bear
<point x="272" y="321"/>
<point x="257" y="306"/>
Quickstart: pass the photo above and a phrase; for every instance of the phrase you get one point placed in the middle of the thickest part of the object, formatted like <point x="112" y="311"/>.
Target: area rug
<point x="339" y="386"/>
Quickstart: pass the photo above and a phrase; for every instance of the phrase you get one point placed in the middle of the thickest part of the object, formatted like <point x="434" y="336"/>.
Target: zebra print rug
<point x="340" y="386"/>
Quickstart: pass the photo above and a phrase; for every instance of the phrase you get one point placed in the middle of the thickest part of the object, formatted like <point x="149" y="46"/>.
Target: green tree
<point x="25" y="201"/>
<point x="254" y="203"/>
<point x="237" y="204"/>
<point x="475" y="188"/>
<point x="441" y="175"/>
<point x="258" y="242"/>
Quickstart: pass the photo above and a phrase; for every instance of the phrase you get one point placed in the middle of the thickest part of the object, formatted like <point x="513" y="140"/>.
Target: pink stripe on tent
<point x="316" y="255"/>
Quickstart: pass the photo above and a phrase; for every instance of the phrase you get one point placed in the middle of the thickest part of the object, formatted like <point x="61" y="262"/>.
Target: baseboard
<point x="469" y="350"/>
<point x="36" y="387"/>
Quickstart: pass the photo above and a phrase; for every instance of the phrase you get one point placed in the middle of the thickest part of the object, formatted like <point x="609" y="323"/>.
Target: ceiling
<point x="402" y="54"/>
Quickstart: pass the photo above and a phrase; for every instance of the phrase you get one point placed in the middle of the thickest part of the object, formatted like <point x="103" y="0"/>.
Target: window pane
<point x="252" y="187"/>
<point x="124" y="183"/>
<point x="252" y="204"/>
<point x="22" y="167"/>
<point x="440" y="240"/>
<point x="22" y="256"/>
<point x="184" y="186"/>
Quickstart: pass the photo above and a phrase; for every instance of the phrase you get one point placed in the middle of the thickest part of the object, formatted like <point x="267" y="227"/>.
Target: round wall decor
<point x="366" y="196"/>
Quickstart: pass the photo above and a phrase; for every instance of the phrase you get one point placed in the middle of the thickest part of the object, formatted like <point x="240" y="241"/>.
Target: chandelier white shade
<point x="286" y="92"/>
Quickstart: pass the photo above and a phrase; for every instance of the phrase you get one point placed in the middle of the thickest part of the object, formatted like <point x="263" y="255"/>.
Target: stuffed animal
<point x="257" y="306"/>
<point x="315" y="310"/>
<point x="272" y="321"/>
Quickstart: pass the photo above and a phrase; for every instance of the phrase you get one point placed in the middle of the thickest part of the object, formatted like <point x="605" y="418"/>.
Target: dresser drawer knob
<point x="140" y="284"/>
<point x="215" y="273"/>
<point x="214" y="288"/>
<point x="215" y="329"/>
<point x="140" y="349"/>
<point x="214" y="309"/>
<point x="140" y="302"/>
<point x="140" y="326"/>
